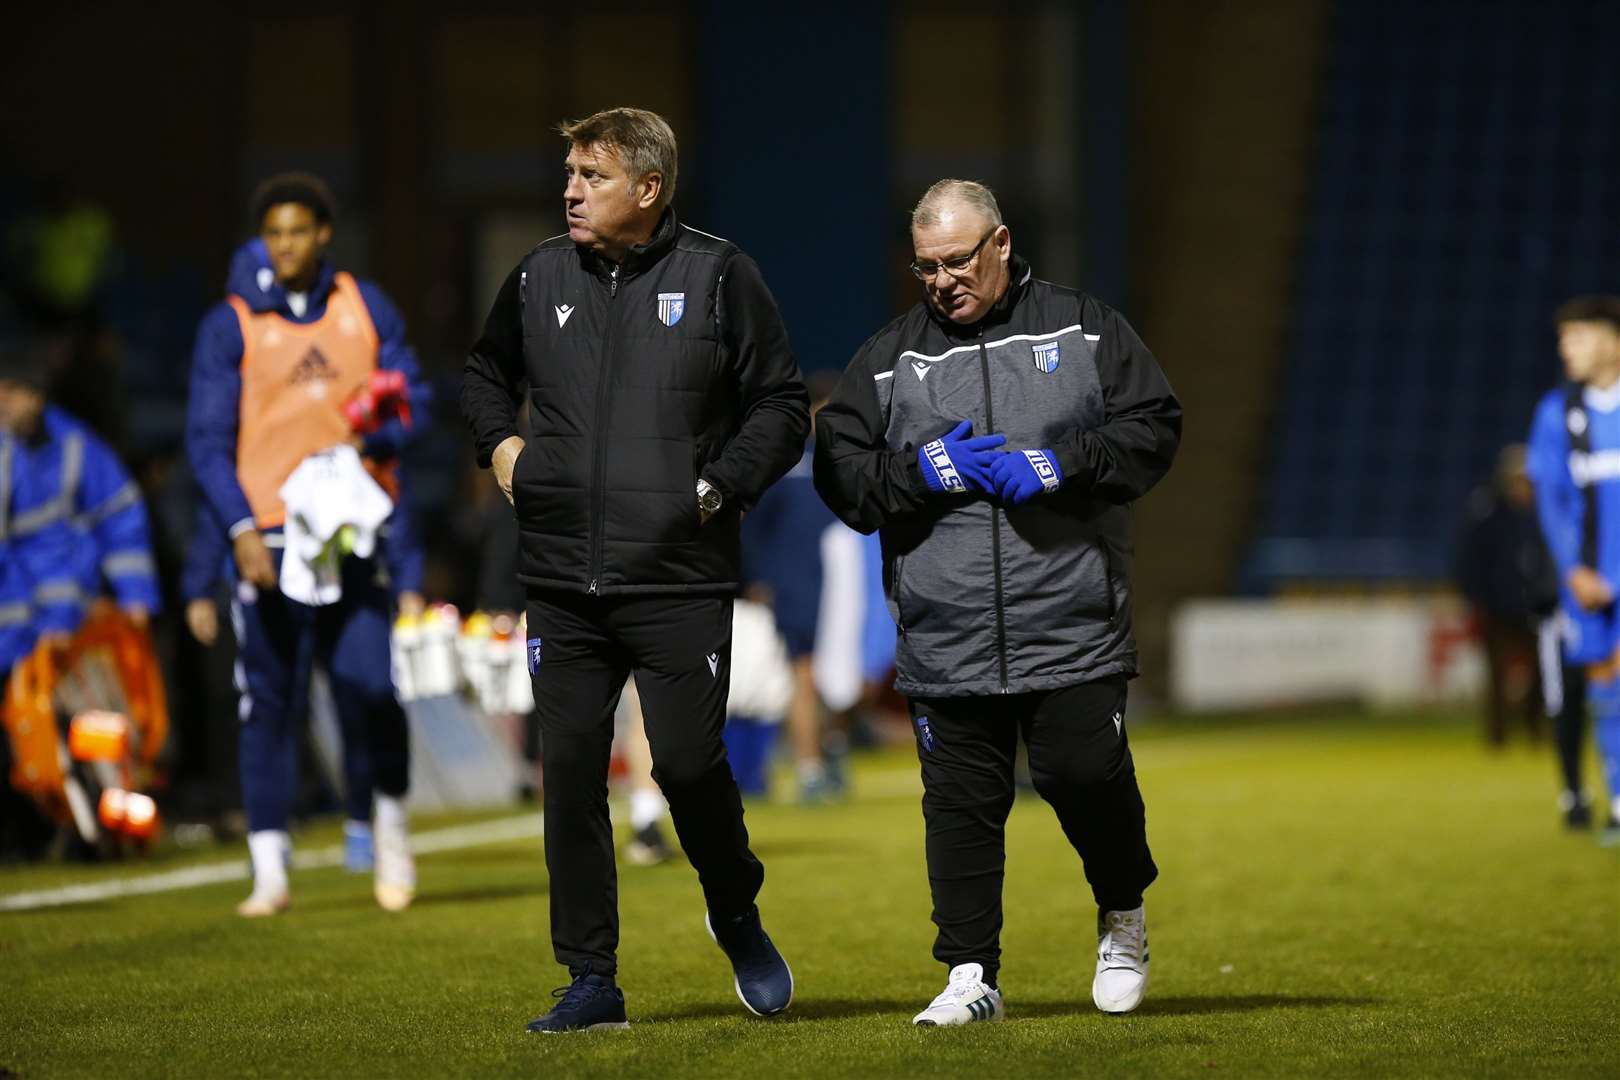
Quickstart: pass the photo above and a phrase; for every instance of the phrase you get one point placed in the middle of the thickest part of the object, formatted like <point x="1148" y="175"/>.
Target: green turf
<point x="1339" y="895"/>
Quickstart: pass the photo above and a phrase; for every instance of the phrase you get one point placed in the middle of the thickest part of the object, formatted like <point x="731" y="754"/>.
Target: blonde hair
<point x="643" y="140"/>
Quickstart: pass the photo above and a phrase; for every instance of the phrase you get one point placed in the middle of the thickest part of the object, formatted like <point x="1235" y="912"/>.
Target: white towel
<point x="836" y="662"/>
<point x="761" y="675"/>
<point x="334" y="507"/>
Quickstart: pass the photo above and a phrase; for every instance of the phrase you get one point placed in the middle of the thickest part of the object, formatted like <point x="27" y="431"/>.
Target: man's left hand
<point x="1021" y="475"/>
<point x="202" y="619"/>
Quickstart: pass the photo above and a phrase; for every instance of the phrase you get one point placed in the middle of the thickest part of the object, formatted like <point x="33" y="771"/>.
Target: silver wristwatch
<point x="709" y="499"/>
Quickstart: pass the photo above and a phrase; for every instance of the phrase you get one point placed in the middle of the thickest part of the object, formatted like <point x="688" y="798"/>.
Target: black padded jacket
<point x="641" y="377"/>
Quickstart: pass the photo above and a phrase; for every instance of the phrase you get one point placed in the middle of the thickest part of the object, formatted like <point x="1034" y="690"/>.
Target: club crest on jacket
<point x="1046" y="356"/>
<point x="671" y="306"/>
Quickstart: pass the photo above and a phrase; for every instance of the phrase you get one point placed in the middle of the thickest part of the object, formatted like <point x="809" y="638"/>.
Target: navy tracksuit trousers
<point x="581" y="651"/>
<point x="279" y="640"/>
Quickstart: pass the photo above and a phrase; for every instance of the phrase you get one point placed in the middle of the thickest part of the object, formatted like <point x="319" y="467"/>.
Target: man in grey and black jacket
<point x="1007" y="560"/>
<point x="663" y="400"/>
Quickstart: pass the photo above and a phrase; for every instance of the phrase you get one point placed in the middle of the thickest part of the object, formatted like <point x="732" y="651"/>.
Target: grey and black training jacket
<point x="990" y="599"/>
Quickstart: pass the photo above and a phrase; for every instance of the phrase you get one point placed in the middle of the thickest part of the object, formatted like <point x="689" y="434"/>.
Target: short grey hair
<point x="969" y="193"/>
<point x="643" y="140"/>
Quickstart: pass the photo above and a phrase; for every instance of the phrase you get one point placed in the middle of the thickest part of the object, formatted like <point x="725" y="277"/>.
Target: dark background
<point x="1341" y="226"/>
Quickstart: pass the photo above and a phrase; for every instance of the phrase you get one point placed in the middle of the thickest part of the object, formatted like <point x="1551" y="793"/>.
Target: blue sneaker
<point x="359" y="852"/>
<point x="589" y="1003"/>
<point x="763" y="982"/>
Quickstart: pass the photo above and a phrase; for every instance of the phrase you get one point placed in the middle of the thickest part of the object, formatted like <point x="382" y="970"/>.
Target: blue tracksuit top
<point x="781" y="547"/>
<point x="1562" y="479"/>
<point x="206" y="553"/>
<point x="213" y="414"/>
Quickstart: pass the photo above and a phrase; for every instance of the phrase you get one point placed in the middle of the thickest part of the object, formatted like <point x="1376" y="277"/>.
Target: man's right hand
<point x="958" y="462"/>
<point x="1591" y="589"/>
<point x="253" y="561"/>
<point x="503" y="461"/>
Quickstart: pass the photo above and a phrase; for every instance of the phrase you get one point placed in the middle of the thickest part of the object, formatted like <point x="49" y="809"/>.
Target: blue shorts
<point x="1590" y="637"/>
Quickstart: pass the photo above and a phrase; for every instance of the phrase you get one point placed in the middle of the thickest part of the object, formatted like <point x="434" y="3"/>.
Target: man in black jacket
<point x="663" y="400"/>
<point x="1007" y="560"/>
<point x="1508" y="577"/>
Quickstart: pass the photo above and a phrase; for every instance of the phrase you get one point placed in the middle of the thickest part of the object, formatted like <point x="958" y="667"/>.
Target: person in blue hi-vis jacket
<point x="72" y="522"/>
<point x="288" y="366"/>
<point x="1574" y="462"/>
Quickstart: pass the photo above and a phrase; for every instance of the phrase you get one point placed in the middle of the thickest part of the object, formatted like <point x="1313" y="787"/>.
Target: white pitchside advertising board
<point x="460" y="757"/>
<point x="1240" y="654"/>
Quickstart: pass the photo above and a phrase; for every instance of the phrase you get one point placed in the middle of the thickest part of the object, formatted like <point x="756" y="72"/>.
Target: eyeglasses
<point x="953" y="266"/>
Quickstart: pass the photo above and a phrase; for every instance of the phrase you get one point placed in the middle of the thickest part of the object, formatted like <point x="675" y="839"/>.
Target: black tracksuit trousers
<point x="1080" y="761"/>
<point x="581" y="650"/>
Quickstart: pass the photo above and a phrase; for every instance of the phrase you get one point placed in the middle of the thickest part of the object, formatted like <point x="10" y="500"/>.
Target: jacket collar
<point x="1019" y="275"/>
<point x="54" y="425"/>
<point x="275" y="297"/>
<point x="642" y="256"/>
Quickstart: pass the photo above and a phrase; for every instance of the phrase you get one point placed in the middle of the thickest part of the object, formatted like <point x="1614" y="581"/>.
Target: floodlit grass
<point x="1339" y="895"/>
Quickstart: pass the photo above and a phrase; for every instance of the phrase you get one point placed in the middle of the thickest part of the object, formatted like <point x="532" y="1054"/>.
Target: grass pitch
<point x="1340" y="895"/>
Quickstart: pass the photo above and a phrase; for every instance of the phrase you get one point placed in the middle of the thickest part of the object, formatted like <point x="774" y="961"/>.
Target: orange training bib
<point x="295" y="379"/>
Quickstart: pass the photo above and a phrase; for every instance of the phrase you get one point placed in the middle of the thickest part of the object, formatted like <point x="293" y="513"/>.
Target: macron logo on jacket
<point x="563" y="311"/>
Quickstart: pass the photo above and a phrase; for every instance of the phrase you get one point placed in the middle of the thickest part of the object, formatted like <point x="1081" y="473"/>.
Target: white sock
<point x="646" y="807"/>
<point x="390" y="812"/>
<point x="270" y="849"/>
<point x="1614" y="807"/>
<point x="356" y="828"/>
<point x="395" y="864"/>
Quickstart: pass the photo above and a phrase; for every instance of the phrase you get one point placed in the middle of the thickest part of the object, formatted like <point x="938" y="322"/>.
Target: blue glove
<point x="1021" y="475"/>
<point x="957" y="463"/>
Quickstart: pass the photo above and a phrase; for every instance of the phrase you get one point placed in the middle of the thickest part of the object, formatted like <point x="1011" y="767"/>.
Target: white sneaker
<point x="965" y="1000"/>
<point x="1122" y="961"/>
<point x="395" y="885"/>
<point x="259" y="904"/>
<point x="271" y="852"/>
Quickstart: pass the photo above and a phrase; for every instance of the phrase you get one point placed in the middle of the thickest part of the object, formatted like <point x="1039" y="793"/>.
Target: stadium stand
<point x="1464" y="185"/>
